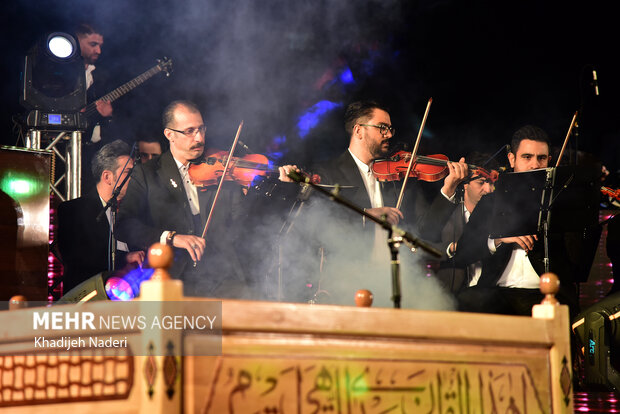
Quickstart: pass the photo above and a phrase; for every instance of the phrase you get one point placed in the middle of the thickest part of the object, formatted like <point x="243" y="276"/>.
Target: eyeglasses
<point x="383" y="128"/>
<point x="191" y="132"/>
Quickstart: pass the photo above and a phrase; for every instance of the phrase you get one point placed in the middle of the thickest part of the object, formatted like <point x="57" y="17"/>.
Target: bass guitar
<point x="163" y="65"/>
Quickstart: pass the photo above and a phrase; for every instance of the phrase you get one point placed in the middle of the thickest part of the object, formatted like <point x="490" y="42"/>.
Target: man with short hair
<point x="164" y="205"/>
<point x="337" y="230"/>
<point x="91" y="41"/>
<point x="511" y="266"/>
<point x="84" y="242"/>
<point x="100" y="126"/>
<point x="369" y="127"/>
<point x="455" y="278"/>
<point x="148" y="149"/>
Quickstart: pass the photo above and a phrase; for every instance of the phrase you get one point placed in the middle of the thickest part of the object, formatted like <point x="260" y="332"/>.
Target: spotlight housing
<point x="54" y="78"/>
<point x="597" y="333"/>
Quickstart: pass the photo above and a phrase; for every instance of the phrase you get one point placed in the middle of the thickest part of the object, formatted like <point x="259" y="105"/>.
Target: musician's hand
<point x="104" y="108"/>
<point x="458" y="172"/>
<point x="194" y="245"/>
<point x="604" y="173"/>
<point x="135" y="257"/>
<point x="452" y="248"/>
<point x="525" y="242"/>
<point x="284" y="170"/>
<point x="393" y="215"/>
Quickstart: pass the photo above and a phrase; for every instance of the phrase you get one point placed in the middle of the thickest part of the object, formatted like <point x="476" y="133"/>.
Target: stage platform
<point x="291" y="358"/>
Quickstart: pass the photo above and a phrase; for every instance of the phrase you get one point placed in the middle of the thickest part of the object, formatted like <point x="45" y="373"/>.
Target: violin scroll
<point x="490" y="176"/>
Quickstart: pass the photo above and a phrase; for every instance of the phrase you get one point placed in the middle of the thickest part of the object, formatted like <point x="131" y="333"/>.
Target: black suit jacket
<point x="83" y="241"/>
<point x="423" y="219"/>
<point x="340" y="253"/>
<point x="156" y="201"/>
<point x="566" y="252"/>
<point x="452" y="276"/>
<point x="99" y="88"/>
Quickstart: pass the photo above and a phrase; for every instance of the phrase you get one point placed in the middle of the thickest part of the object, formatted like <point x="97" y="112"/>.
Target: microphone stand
<point x="396" y="235"/>
<point x="113" y="202"/>
<point x="293" y="213"/>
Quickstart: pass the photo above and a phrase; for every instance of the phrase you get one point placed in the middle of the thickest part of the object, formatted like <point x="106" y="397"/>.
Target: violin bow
<point x="219" y="185"/>
<point x="413" y="153"/>
<point x="570" y="129"/>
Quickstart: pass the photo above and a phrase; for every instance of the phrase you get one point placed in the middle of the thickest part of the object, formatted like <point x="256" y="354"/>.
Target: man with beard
<point x="370" y="129"/>
<point x="90" y="39"/>
<point x="511" y="266"/>
<point x="163" y="205"/>
<point x="356" y="241"/>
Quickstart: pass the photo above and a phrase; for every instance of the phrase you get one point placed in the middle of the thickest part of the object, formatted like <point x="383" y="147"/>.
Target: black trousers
<point x="510" y="301"/>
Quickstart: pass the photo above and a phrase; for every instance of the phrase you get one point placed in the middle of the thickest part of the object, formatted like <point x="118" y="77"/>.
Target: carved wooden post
<point x="161" y="360"/>
<point x="560" y="354"/>
<point x="18" y="302"/>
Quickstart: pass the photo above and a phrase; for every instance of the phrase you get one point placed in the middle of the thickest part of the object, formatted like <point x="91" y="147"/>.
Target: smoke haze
<point x="322" y="258"/>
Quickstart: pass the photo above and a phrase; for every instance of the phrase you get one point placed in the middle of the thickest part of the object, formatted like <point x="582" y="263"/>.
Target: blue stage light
<point x="127" y="287"/>
<point x="313" y="115"/>
<point x="346" y="76"/>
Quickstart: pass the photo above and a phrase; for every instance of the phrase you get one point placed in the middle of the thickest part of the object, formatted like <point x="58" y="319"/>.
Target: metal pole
<point x="33" y="139"/>
<point x="74" y="166"/>
<point x="394" y="243"/>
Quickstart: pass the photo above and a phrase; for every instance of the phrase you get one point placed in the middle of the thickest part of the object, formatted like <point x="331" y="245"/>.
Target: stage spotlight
<point x="597" y="330"/>
<point x="54" y="78"/>
<point x="61" y="46"/>
<point x="127" y="287"/>
<point x="105" y="285"/>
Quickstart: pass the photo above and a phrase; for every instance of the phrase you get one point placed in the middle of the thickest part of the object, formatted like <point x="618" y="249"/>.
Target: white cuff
<point x="163" y="237"/>
<point x="450" y="199"/>
<point x="450" y="255"/>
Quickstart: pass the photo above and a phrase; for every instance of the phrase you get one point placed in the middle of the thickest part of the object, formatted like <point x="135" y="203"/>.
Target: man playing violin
<point x="163" y="205"/>
<point x="369" y="127"/>
<point x="509" y="283"/>
<point x="473" y="189"/>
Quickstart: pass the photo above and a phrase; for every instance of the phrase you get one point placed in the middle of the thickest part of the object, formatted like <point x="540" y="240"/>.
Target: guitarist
<point x="91" y="42"/>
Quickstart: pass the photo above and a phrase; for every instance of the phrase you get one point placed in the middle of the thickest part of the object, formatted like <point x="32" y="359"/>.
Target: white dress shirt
<point x="96" y="136"/>
<point x="519" y="272"/>
<point x="190" y="190"/>
<point x="373" y="189"/>
<point x="122" y="246"/>
<point x="474" y="269"/>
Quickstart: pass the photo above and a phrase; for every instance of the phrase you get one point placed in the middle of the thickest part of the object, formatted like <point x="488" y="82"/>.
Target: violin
<point x="208" y="171"/>
<point x="429" y="168"/>
<point x="611" y="193"/>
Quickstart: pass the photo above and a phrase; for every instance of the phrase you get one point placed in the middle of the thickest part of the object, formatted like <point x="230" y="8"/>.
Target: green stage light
<point x="19" y="187"/>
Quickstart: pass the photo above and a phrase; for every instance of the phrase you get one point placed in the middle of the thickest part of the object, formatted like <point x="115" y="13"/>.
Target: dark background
<point x="490" y="67"/>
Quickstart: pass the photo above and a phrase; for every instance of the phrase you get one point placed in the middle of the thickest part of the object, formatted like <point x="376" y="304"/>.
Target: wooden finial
<point x="549" y="286"/>
<point x="18" y="302"/>
<point x="160" y="258"/>
<point x="363" y="298"/>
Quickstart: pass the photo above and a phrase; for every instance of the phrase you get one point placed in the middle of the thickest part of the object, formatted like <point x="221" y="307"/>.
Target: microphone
<point x="242" y="145"/>
<point x="595" y="82"/>
<point x="136" y="153"/>
<point x="304" y="193"/>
